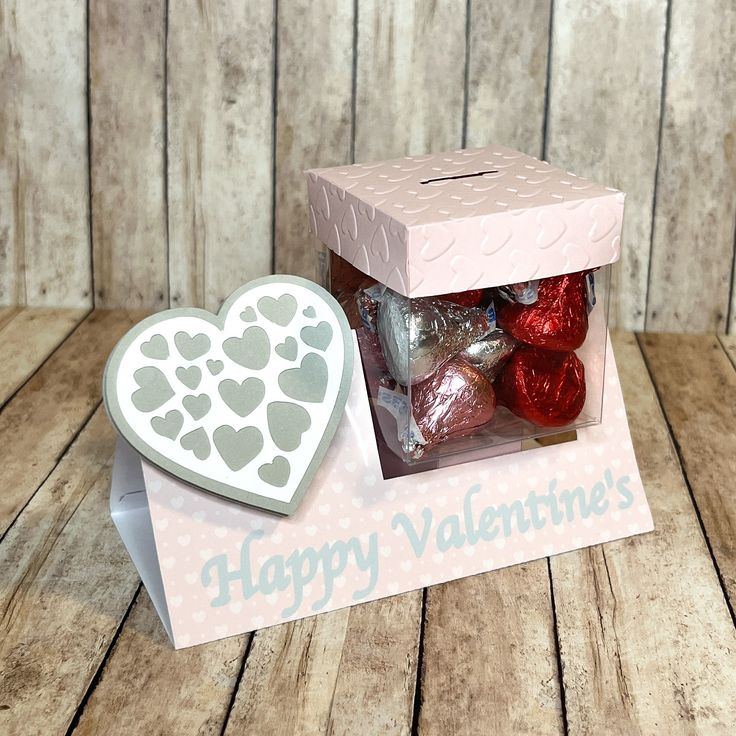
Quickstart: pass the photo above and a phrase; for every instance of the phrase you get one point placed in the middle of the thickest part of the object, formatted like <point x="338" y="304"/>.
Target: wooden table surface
<point x="634" y="637"/>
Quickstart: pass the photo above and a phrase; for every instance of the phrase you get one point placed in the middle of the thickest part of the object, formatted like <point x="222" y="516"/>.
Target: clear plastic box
<point x="478" y="283"/>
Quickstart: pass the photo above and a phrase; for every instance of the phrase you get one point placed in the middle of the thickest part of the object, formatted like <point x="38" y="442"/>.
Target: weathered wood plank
<point x="507" y="73"/>
<point x="605" y="83"/>
<point x="314" y="124"/>
<point x="137" y="693"/>
<point x="220" y="122"/>
<point x="58" y="399"/>
<point x="410" y="77"/>
<point x="65" y="585"/>
<point x="290" y="677"/>
<point x="28" y="339"/>
<point x="351" y="671"/>
<point x="646" y="639"/>
<point x="489" y="656"/>
<point x="7" y="313"/>
<point x="374" y="692"/>
<point x="729" y="345"/>
<point x="695" y="207"/>
<point x="126" y="58"/>
<point x="701" y="412"/>
<point x="44" y="196"/>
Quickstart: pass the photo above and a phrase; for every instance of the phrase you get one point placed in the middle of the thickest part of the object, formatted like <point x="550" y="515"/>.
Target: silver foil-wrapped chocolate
<point x="490" y="352"/>
<point x="419" y="335"/>
<point x="525" y="292"/>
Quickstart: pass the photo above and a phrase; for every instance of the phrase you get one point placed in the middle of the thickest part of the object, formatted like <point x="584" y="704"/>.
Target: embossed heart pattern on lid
<point x="243" y="404"/>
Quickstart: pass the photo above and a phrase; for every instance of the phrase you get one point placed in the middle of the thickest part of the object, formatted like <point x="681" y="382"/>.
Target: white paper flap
<point x="131" y="516"/>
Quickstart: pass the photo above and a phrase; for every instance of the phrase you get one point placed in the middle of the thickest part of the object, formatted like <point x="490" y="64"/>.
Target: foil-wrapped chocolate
<point x="457" y="400"/>
<point x="419" y="335"/>
<point x="367" y="301"/>
<point x="490" y="352"/>
<point x="525" y="292"/>
<point x="545" y="387"/>
<point x="470" y="298"/>
<point x="558" y="320"/>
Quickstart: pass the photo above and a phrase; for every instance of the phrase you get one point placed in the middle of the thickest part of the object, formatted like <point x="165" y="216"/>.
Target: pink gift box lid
<point x="465" y="219"/>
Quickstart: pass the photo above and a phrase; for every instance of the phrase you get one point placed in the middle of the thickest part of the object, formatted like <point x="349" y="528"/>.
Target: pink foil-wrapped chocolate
<point x="454" y="402"/>
<point x="419" y="335"/>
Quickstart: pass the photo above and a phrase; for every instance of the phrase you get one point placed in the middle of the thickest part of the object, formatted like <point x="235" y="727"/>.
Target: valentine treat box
<point x="477" y="281"/>
<point x="448" y="407"/>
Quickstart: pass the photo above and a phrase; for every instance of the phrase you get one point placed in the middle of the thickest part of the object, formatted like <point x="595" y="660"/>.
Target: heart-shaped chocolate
<point x="212" y="400"/>
<point x="558" y="320"/>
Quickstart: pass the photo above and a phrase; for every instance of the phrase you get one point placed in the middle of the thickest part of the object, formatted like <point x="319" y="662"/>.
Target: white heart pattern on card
<point x="244" y="403"/>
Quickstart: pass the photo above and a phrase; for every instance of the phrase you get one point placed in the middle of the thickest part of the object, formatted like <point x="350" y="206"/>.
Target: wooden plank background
<point x="151" y="153"/>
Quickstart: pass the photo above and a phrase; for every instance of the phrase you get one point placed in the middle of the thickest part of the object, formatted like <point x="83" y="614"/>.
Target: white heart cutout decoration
<point x="243" y="404"/>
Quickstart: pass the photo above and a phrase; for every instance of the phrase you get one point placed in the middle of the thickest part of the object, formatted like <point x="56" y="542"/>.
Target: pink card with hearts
<point x="215" y="567"/>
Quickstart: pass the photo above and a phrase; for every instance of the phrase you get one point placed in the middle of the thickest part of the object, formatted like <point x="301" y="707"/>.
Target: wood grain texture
<point x="603" y="122"/>
<point x="704" y="426"/>
<point x="507" y="74"/>
<point x="410" y="77"/>
<point x="65" y="585"/>
<point x="28" y="339"/>
<point x="44" y="196"/>
<point x="59" y="398"/>
<point x="138" y="694"/>
<point x="695" y="211"/>
<point x="351" y="671"/>
<point x="290" y="677"/>
<point x="374" y="692"/>
<point x="220" y="162"/>
<point x="646" y="639"/>
<point x="127" y="72"/>
<point x="489" y="661"/>
<point x="728" y="342"/>
<point x="7" y="313"/>
<point x="314" y="124"/>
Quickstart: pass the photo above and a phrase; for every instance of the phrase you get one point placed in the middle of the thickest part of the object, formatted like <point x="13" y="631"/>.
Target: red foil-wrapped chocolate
<point x="470" y="298"/>
<point x="558" y="320"/>
<point x="543" y="386"/>
<point x="454" y="402"/>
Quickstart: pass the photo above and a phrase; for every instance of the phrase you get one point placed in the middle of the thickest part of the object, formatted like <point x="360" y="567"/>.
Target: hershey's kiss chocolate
<point x="454" y="402"/>
<point x="558" y="320"/>
<point x="419" y="335"/>
<point x="470" y="298"/>
<point x="490" y="352"/>
<point x="545" y="387"/>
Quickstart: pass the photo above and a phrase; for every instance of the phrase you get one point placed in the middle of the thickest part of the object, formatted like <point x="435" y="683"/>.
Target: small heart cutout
<point x="197" y="406"/>
<point x="243" y="397"/>
<point x="287" y="423"/>
<point x="252" y="350"/>
<point x="288" y="349"/>
<point x="237" y="449"/>
<point x="248" y="315"/>
<point x="280" y="311"/>
<point x="309" y="312"/>
<point x="318" y="337"/>
<point x="308" y="382"/>
<point x="215" y="367"/>
<point x="156" y="348"/>
<point x="169" y="425"/>
<point x="275" y="473"/>
<point x="190" y="377"/>
<point x="197" y="442"/>
<point x="191" y="348"/>
<point x="154" y="390"/>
